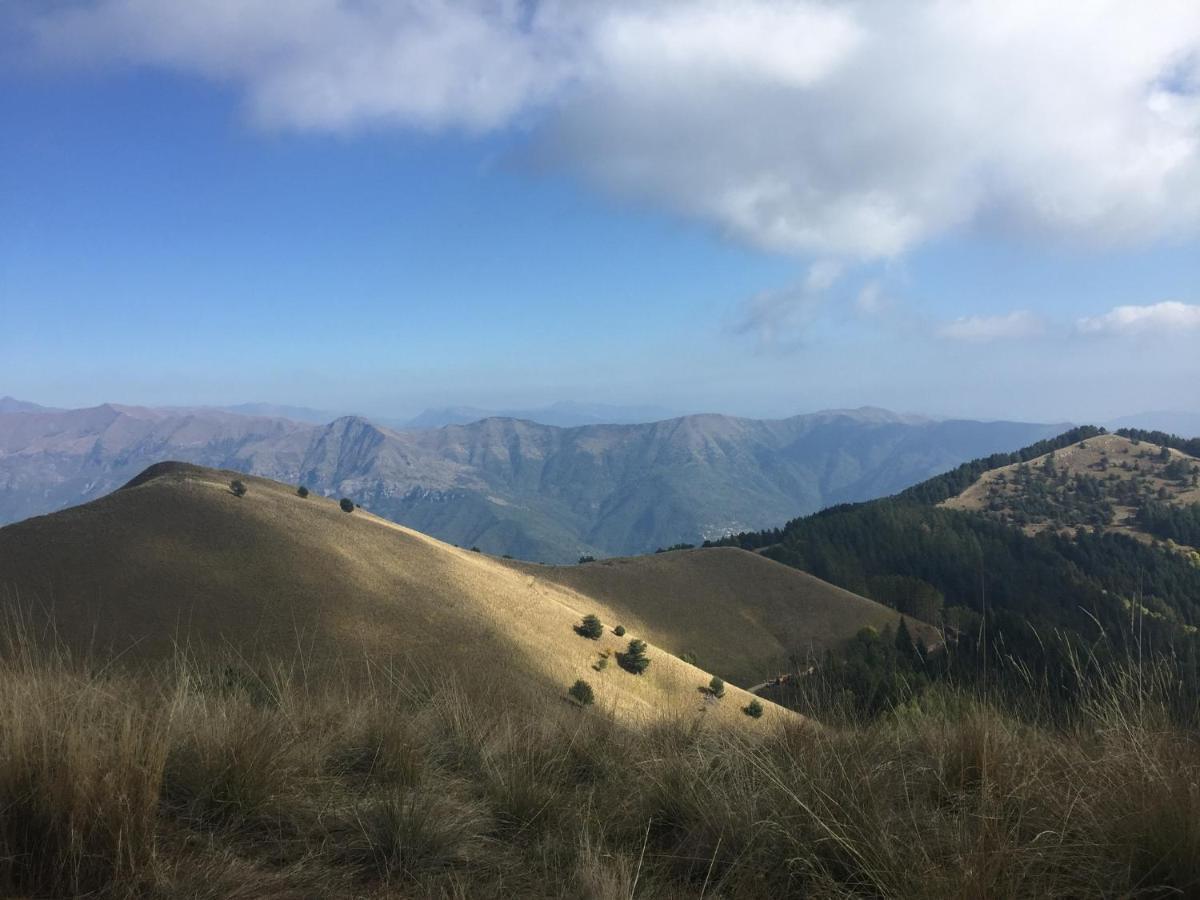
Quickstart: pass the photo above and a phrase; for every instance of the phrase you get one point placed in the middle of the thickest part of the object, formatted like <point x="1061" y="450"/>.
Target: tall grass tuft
<point x="338" y="780"/>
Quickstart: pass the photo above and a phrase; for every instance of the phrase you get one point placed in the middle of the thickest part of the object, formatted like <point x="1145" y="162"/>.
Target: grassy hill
<point x="744" y="616"/>
<point x="176" y="559"/>
<point x="1109" y="482"/>
<point x="364" y="712"/>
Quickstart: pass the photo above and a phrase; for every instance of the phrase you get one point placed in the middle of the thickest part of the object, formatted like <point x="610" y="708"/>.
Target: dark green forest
<point x="1018" y="612"/>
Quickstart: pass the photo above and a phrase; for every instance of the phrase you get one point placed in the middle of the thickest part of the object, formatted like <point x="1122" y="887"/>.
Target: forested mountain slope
<point x="1109" y="482"/>
<point x="1046" y="601"/>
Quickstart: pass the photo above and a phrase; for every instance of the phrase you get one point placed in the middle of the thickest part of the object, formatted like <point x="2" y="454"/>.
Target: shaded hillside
<point x="175" y="558"/>
<point x="1107" y="482"/>
<point x="744" y="616"/>
<point x="510" y="486"/>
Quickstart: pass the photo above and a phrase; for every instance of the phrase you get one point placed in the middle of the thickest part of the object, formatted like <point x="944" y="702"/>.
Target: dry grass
<point x="177" y="560"/>
<point x="374" y="781"/>
<point x="743" y="616"/>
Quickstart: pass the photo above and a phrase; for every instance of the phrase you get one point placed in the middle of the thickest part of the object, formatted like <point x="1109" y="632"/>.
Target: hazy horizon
<point x="1185" y="422"/>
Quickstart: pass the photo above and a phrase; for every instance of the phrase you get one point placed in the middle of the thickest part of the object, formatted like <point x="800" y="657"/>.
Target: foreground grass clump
<point x="377" y="780"/>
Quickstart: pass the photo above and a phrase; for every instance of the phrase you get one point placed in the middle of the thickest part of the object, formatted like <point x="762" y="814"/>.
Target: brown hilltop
<point x="176" y="559"/>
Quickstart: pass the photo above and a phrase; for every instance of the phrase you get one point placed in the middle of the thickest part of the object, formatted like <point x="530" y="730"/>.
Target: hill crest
<point x="1108" y="482"/>
<point x="175" y="557"/>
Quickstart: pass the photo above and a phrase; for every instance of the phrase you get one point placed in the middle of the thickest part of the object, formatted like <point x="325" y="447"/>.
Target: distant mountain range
<point x="510" y="486"/>
<point x="12" y="404"/>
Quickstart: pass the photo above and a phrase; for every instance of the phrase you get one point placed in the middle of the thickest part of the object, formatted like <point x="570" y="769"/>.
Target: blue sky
<point x="178" y="228"/>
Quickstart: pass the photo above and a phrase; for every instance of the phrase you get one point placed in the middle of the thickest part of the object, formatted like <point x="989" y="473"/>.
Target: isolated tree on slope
<point x="590" y="627"/>
<point x="634" y="658"/>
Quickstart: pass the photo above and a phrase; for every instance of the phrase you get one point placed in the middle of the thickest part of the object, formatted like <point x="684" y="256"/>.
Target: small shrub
<point x="689" y="657"/>
<point x="346" y="504"/>
<point x="586" y="559"/>
<point x="590" y="627"/>
<point x="619" y="631"/>
<point x="634" y="658"/>
<point x="581" y="692"/>
<point x="476" y="550"/>
<point x="716" y="687"/>
<point x="302" y="491"/>
<point x="754" y="710"/>
<point x="601" y="664"/>
<point x="238" y="487"/>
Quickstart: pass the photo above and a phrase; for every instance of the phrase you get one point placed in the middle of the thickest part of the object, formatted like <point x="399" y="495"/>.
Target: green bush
<point x="634" y="658"/>
<point x="238" y="487"/>
<point x="601" y="664"/>
<point x="581" y="692"/>
<point x="590" y="627"/>
<point x="586" y="559"/>
<point x="716" y="687"/>
<point x="302" y="491"/>
<point x="619" y="631"/>
<point x="754" y="710"/>
<point x="346" y="504"/>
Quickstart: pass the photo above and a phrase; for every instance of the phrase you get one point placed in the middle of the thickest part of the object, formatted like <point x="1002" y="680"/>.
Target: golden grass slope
<point x="744" y="616"/>
<point x="177" y="559"/>
<point x="1109" y="457"/>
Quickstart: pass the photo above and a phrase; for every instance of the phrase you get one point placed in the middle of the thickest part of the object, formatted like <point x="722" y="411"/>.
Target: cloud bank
<point x="840" y="129"/>
<point x="982" y="329"/>
<point x="1166" y="318"/>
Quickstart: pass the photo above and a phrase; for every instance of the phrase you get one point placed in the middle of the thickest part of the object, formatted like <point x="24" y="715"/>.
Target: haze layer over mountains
<point x="511" y="486"/>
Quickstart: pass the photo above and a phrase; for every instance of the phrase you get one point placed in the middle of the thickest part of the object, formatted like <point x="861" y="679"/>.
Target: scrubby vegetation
<point x="581" y="692"/>
<point x="238" y="487"/>
<point x="310" y="779"/>
<point x="346" y="504"/>
<point x="591" y="627"/>
<point x="716" y="687"/>
<point x="674" y="547"/>
<point x="302" y="491"/>
<point x="619" y="631"/>
<point x="634" y="658"/>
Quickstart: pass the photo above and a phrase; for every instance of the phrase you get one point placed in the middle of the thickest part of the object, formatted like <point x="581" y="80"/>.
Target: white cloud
<point x="331" y="64"/>
<point x="1168" y="317"/>
<point x="983" y="329"/>
<point x="838" y="129"/>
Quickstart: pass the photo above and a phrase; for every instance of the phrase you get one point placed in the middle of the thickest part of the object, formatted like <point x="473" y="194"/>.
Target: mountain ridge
<point x="512" y="486"/>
